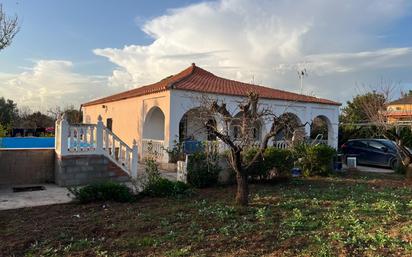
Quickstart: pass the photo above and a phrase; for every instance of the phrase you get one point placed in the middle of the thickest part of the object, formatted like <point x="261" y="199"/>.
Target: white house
<point x="166" y="110"/>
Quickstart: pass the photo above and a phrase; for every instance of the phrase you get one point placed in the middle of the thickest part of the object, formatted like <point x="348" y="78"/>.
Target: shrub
<point x="281" y="159"/>
<point x="103" y="191"/>
<point x="175" y="152"/>
<point x="315" y="159"/>
<point x="157" y="186"/>
<point x="163" y="187"/>
<point x="203" y="169"/>
<point x="151" y="169"/>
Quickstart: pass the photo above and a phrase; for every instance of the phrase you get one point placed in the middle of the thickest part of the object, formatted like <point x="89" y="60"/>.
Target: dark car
<point x="380" y="152"/>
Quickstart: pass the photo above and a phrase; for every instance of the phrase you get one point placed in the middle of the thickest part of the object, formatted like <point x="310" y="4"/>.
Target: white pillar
<point x="333" y="132"/>
<point x="307" y="128"/>
<point x="61" y="138"/>
<point x="133" y="170"/>
<point x="99" y="135"/>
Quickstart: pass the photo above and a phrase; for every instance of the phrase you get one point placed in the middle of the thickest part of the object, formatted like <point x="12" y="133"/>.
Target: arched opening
<point x="321" y="130"/>
<point x="294" y="127"/>
<point x="192" y="126"/>
<point x="154" y="124"/>
<point x="153" y="134"/>
<point x="254" y="131"/>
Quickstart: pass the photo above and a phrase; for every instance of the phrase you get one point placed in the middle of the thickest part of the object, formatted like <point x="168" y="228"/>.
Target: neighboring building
<point x="400" y="110"/>
<point x="166" y="111"/>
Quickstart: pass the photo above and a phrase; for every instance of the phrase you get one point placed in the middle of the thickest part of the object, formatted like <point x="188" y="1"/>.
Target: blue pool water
<point x="27" y="142"/>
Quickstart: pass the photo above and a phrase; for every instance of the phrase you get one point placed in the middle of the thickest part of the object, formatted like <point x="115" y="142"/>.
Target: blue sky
<point x="69" y="52"/>
<point x="71" y="29"/>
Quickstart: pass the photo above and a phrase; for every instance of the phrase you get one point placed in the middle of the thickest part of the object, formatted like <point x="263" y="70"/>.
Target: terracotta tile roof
<point x="403" y="100"/>
<point x="197" y="79"/>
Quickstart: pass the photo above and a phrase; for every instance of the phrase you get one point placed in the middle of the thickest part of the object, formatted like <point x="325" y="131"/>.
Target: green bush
<point x="281" y="159"/>
<point x="315" y="159"/>
<point x="273" y="158"/>
<point x="163" y="187"/>
<point x="203" y="169"/>
<point x="103" y="191"/>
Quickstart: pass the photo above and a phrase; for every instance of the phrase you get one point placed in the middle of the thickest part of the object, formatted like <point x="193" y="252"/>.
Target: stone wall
<point x="26" y="166"/>
<point x="85" y="169"/>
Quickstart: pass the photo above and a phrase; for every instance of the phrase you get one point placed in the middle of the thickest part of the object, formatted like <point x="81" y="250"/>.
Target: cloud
<point x="340" y="44"/>
<point x="337" y="41"/>
<point x="51" y="83"/>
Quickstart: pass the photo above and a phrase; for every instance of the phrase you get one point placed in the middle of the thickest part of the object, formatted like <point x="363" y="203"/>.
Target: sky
<point x="69" y="52"/>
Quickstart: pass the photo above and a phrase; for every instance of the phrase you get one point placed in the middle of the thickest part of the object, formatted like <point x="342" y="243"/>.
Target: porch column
<point x="307" y="129"/>
<point x="176" y="112"/>
<point x="333" y="133"/>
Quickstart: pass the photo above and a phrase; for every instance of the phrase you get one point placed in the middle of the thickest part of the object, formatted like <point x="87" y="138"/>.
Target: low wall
<point x="26" y="166"/>
<point x="86" y="169"/>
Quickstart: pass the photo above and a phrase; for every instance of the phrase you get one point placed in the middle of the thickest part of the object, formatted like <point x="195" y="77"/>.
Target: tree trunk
<point x="242" y="193"/>
<point x="406" y="161"/>
<point x="408" y="172"/>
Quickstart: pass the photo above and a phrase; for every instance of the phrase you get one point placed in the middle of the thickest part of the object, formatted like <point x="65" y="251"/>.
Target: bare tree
<point x="252" y="113"/>
<point x="9" y="27"/>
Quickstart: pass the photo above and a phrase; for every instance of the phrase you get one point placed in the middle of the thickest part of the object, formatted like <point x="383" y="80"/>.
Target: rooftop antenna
<point x="301" y="74"/>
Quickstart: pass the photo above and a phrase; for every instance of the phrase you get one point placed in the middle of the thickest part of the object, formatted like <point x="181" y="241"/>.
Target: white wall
<point x="182" y="101"/>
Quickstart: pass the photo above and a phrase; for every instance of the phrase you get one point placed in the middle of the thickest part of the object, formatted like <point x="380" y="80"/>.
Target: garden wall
<point x="26" y="166"/>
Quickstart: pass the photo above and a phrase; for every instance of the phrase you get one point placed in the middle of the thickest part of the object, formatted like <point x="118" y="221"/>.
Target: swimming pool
<point x="27" y="142"/>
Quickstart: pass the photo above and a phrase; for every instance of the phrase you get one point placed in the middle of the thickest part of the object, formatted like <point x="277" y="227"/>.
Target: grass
<point x="358" y="214"/>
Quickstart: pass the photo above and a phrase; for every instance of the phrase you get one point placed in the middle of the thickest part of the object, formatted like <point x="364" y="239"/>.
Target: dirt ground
<point x="357" y="214"/>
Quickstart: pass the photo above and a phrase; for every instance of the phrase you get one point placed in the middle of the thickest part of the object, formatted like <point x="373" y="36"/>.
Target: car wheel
<point x="394" y="164"/>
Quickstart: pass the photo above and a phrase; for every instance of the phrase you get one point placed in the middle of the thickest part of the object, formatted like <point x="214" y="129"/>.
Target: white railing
<point x="95" y="139"/>
<point x="153" y="148"/>
<point x="282" y="144"/>
<point x="319" y="140"/>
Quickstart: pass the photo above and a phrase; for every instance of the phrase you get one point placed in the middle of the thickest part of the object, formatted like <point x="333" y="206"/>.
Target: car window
<point x="376" y="145"/>
<point x="360" y="144"/>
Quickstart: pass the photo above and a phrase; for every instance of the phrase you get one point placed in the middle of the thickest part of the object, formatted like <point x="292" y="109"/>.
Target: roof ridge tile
<point x="197" y="79"/>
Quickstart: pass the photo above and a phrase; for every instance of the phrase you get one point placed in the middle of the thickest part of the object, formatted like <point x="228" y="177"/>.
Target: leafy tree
<point x="355" y="112"/>
<point x="36" y="120"/>
<point x="8" y="112"/>
<point x="73" y="115"/>
<point x="3" y="131"/>
<point x="8" y="28"/>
